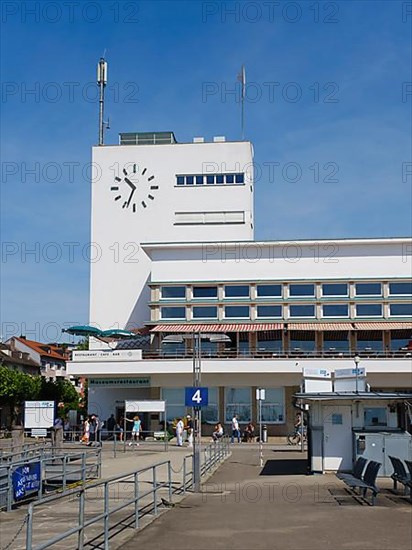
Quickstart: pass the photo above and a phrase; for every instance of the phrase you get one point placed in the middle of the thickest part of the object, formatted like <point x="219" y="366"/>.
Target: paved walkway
<point x="244" y="507"/>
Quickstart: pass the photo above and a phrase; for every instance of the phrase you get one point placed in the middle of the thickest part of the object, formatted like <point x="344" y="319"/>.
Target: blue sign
<point x="26" y="479"/>
<point x="196" y="397"/>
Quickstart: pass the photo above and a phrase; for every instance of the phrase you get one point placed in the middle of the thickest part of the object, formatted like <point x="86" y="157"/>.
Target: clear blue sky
<point x="324" y="101"/>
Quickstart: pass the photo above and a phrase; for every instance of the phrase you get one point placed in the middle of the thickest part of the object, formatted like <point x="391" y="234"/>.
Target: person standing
<point x="137" y="426"/>
<point x="179" y="432"/>
<point x="111" y="424"/>
<point x="235" y="429"/>
<point x="86" y="431"/>
<point x="189" y="427"/>
<point x="92" y="430"/>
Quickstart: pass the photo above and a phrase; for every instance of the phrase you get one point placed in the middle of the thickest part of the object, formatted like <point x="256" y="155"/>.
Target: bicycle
<point x="294" y="438"/>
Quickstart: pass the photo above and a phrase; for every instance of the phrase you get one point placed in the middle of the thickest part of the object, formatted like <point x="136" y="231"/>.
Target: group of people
<point x="247" y="435"/>
<point x="181" y="427"/>
<point x="92" y="426"/>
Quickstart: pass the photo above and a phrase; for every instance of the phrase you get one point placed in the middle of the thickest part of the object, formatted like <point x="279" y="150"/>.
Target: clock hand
<point x="130" y="197"/>
<point x="131" y="184"/>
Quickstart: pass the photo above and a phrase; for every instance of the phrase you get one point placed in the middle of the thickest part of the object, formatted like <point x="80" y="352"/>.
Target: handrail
<point x="217" y="452"/>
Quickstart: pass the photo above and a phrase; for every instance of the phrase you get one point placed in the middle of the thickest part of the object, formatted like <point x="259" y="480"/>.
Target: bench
<point x="357" y="470"/>
<point x="367" y="482"/>
<point x="400" y="475"/>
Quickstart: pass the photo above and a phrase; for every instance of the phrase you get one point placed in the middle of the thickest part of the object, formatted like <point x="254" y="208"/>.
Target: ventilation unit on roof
<point x="198" y="140"/>
<point x="218" y="139"/>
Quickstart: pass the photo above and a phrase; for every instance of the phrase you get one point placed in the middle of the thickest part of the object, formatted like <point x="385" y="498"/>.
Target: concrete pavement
<point x="278" y="507"/>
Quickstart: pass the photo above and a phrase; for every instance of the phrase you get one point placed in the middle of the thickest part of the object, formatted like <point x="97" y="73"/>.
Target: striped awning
<point x="218" y="327"/>
<point x="320" y="326"/>
<point x="389" y="325"/>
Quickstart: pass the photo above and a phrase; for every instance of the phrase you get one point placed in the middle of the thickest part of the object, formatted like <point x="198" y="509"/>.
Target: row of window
<point x="237" y="401"/>
<point x="295" y="310"/>
<point x="210" y="179"/>
<point x="297" y="290"/>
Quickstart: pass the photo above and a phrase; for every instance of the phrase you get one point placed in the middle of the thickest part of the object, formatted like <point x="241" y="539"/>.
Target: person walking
<point x="179" y="432"/>
<point x="235" y="429"/>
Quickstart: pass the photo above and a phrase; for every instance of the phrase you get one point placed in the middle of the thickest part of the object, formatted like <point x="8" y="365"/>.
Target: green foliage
<point x="83" y="345"/>
<point x="16" y="387"/>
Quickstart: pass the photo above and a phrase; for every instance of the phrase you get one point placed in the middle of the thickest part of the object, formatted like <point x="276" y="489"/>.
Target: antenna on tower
<point x="242" y="78"/>
<point x="101" y="82"/>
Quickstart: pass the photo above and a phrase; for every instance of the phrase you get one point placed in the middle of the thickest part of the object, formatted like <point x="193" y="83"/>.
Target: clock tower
<point x="150" y="188"/>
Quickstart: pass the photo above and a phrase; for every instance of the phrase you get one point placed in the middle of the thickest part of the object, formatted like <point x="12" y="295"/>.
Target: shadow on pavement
<point x="288" y="467"/>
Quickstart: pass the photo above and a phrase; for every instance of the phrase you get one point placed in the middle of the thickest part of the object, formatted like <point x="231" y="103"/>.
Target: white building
<point x="174" y="224"/>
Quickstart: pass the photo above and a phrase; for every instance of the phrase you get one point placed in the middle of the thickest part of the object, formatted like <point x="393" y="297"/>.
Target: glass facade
<point x="172" y="292"/>
<point x="302" y="290"/>
<point x="205" y="292"/>
<point x="402" y="289"/>
<point x="368" y="289"/>
<point x="269" y="291"/>
<point x="334" y="289"/>
<point x="236" y="291"/>
<point x="169" y="312"/>
<point x="238" y="401"/>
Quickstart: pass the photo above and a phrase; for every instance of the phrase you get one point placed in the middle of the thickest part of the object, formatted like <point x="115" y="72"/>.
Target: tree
<point x="16" y="387"/>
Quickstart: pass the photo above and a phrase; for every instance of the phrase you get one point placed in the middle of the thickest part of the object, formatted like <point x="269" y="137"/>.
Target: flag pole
<point x="242" y="78"/>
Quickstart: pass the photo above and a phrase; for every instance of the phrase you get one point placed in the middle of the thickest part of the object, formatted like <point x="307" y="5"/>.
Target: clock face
<point x="134" y="188"/>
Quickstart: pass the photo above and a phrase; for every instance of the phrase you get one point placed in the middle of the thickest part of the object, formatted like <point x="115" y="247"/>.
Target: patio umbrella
<point x="83" y="330"/>
<point x="118" y="333"/>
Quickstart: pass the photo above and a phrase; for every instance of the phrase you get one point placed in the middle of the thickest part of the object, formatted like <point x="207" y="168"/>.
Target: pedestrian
<point x="137" y="426"/>
<point x="86" y="431"/>
<point x="218" y="432"/>
<point x="66" y="429"/>
<point x="92" y="429"/>
<point x="111" y="424"/>
<point x="189" y="428"/>
<point x="235" y="429"/>
<point x="179" y="432"/>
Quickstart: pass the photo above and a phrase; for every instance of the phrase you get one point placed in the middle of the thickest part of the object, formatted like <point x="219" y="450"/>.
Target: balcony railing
<point x="285" y="354"/>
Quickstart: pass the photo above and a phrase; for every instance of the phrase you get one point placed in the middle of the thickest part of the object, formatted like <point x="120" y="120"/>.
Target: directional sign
<point x="196" y="397"/>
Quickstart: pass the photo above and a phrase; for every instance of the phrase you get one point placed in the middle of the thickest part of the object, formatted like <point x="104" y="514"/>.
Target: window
<point x="220" y="179"/>
<point x="301" y="340"/>
<point x="230" y="178"/>
<point x="212" y="218"/>
<point x="334" y="289"/>
<point x="269" y="311"/>
<point x="368" y="289"/>
<point x="401" y="310"/>
<point x="210" y="414"/>
<point x="173" y="312"/>
<point x="269" y="291"/>
<point x="302" y="310"/>
<point x="205" y="292"/>
<point x="369" y="341"/>
<point x="199" y="180"/>
<point x="180" y="180"/>
<point x="239" y="178"/>
<point x="301" y="290"/>
<point x="335" y="341"/>
<point x="403" y="289"/>
<point x="237" y="291"/>
<point x="189" y="180"/>
<point x="204" y="312"/>
<point x="210" y="180"/>
<point x="173" y="292"/>
<point x="375" y="416"/>
<point x="175" y="402"/>
<point x="335" y="310"/>
<point x="269" y="340"/>
<point x="369" y="310"/>
<point x="238" y="401"/>
<point x="273" y="407"/>
<point x="237" y="312"/>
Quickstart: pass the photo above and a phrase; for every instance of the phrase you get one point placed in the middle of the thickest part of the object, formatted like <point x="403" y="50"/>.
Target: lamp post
<point x="357" y="361"/>
<point x="197" y="370"/>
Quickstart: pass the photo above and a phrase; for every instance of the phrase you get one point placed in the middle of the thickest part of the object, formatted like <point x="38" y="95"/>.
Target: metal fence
<point x="58" y="469"/>
<point x="105" y="508"/>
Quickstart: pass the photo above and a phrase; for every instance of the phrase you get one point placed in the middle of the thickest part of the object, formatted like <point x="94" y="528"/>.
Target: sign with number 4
<point x="196" y="397"/>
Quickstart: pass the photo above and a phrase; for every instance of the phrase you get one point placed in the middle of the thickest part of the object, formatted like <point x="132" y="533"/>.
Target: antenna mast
<point x="101" y="82"/>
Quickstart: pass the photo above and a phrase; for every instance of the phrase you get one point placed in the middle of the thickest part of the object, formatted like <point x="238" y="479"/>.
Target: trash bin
<point x="264" y="433"/>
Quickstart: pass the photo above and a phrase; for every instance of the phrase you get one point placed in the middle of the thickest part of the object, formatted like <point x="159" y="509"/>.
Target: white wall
<point x="120" y="269"/>
<point x="321" y="260"/>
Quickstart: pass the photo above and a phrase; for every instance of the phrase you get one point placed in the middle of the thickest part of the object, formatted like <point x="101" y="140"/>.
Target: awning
<point x="390" y="325"/>
<point x="320" y="326"/>
<point x="219" y="327"/>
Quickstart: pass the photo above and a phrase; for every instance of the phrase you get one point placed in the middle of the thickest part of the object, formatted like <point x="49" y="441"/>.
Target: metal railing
<point x="143" y="498"/>
<point x="58" y="469"/>
<point x="279" y="354"/>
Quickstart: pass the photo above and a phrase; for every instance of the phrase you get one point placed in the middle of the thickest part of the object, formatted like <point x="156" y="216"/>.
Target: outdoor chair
<point x="368" y="481"/>
<point x="357" y="470"/>
<point x="399" y="475"/>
